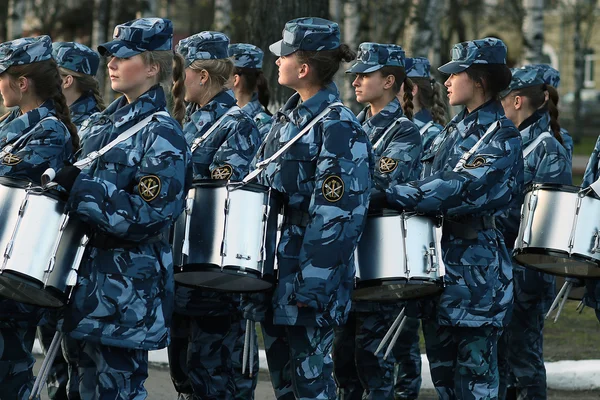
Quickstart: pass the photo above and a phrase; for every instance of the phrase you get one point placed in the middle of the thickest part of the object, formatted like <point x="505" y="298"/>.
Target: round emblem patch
<point x="223" y="172"/>
<point x="333" y="188"/>
<point x="479" y="161"/>
<point x="11" y="159"/>
<point x="149" y="187"/>
<point x="387" y="165"/>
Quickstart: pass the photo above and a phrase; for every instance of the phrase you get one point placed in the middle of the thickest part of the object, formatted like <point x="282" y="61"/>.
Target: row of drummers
<point x="313" y="163"/>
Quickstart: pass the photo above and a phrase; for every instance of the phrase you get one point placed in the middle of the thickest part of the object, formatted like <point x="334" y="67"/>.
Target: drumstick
<point x="556" y="299"/>
<point x="390" y="332"/>
<point x="395" y="338"/>
<point x="45" y="367"/>
<point x="246" y="344"/>
<point x="580" y="307"/>
<point x="250" y="348"/>
<point x="563" y="301"/>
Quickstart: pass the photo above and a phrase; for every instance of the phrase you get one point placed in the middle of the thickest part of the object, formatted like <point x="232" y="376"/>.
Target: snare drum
<point x="42" y="248"/>
<point x="560" y="231"/>
<point x="399" y="257"/>
<point x="226" y="239"/>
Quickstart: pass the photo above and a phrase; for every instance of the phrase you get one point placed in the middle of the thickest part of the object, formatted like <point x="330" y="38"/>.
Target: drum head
<point x="228" y="279"/>
<point x="552" y="186"/>
<point x="558" y="263"/>
<point x="22" y="288"/>
<point x="396" y="289"/>
<point x="35" y="188"/>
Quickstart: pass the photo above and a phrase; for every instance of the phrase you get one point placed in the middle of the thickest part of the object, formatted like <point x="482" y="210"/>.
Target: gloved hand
<point x="377" y="201"/>
<point x="66" y="176"/>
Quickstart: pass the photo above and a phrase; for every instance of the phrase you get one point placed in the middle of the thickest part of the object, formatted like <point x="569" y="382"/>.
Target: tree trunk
<point x="222" y="21"/>
<point x="16" y="15"/>
<point x="266" y="21"/>
<point x="533" y="31"/>
<point x="427" y="19"/>
<point x="350" y="33"/>
<point x="578" y="74"/>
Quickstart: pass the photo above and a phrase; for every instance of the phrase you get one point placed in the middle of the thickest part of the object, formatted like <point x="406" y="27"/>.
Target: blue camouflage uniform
<point x="40" y="142"/>
<point x="397" y="160"/>
<point x="419" y="67"/>
<point x="246" y="55"/>
<point x="208" y="330"/>
<point x="325" y="179"/>
<point x="461" y="339"/>
<point x="521" y="344"/>
<point x="83" y="60"/>
<point x="129" y="197"/>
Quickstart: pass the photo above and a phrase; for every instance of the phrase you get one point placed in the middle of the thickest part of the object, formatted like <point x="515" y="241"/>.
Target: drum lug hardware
<point x="242" y="257"/>
<point x="23" y="206"/>
<point x="431" y="254"/>
<point x="8" y="250"/>
<point x="596" y="248"/>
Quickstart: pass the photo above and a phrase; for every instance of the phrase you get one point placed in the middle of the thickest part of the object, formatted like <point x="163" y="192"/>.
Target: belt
<point x="292" y="216"/>
<point x="104" y="241"/>
<point x="467" y="228"/>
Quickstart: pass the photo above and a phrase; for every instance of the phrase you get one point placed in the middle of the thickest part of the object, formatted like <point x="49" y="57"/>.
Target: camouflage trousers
<point x="299" y="361"/>
<point x="205" y="358"/>
<point x="16" y="362"/>
<point x="358" y="370"/>
<point x="109" y="373"/>
<point x="62" y="379"/>
<point x="520" y="348"/>
<point x="463" y="361"/>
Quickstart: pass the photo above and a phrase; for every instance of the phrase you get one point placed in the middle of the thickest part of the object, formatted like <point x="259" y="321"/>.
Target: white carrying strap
<point x="465" y="157"/>
<point x="9" y="147"/>
<point x="389" y="128"/>
<point x="425" y="127"/>
<point x="196" y="143"/>
<point x="535" y="143"/>
<point x="263" y="164"/>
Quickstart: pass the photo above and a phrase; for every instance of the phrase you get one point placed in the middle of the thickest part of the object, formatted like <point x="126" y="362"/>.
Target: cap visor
<point x="453" y="67"/>
<point x="360" y="68"/>
<point x="3" y="68"/>
<point x="119" y="48"/>
<point x="281" y="49"/>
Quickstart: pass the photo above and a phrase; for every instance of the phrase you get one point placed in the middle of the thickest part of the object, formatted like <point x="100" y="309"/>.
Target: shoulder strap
<point x="425" y="127"/>
<point x="91" y="157"/>
<point x="535" y="143"/>
<point x="9" y="147"/>
<point x="196" y="143"/>
<point x="389" y="128"/>
<point x="465" y="157"/>
<point x="263" y="164"/>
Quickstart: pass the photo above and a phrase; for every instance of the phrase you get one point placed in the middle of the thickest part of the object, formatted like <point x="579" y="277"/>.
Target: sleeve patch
<point x="223" y="172"/>
<point x="11" y="159"/>
<point x="149" y="187"/>
<point x="333" y="188"/>
<point x="479" y="161"/>
<point x="387" y="165"/>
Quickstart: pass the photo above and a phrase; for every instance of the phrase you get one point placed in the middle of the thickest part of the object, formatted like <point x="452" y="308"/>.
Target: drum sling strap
<point x="535" y="143"/>
<point x="389" y="128"/>
<point x="425" y="127"/>
<point x="198" y="141"/>
<point x="9" y="147"/>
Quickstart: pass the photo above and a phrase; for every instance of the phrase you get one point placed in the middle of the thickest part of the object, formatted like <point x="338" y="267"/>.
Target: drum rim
<point x="9" y="182"/>
<point x="546" y="251"/>
<point x="375" y="283"/>
<point x="559" y="187"/>
<point x="221" y="183"/>
<point x="229" y="270"/>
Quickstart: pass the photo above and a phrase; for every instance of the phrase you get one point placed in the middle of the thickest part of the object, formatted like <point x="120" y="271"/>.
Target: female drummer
<point x="325" y="180"/>
<point x="43" y="136"/>
<point x="78" y="65"/>
<point x="380" y="72"/>
<point x="546" y="161"/>
<point x="475" y="170"/>
<point x="208" y="324"/>
<point x="428" y="99"/>
<point x="250" y="85"/>
<point x="129" y="197"/>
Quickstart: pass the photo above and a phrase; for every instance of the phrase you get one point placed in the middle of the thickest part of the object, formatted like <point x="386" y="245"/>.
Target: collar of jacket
<point x="120" y="112"/>
<point x="253" y="107"/>
<point x="303" y="113"/>
<point x="422" y="117"/>
<point x="85" y="105"/>
<point x="17" y="125"/>
<point x="534" y="125"/>
<point x="203" y="117"/>
<point x="381" y="120"/>
<point x="484" y="115"/>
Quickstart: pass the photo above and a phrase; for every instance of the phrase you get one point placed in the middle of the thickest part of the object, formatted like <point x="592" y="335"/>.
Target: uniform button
<point x="282" y="119"/>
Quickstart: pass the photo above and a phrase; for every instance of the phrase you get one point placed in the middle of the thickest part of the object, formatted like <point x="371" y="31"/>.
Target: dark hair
<point x="399" y="74"/>
<point x="253" y="80"/>
<point x="326" y="62"/>
<point x="178" y="89"/>
<point x="47" y="84"/>
<point x="493" y="78"/>
<point x="537" y="96"/>
<point x="431" y="97"/>
<point x="552" y="105"/>
<point x="85" y="84"/>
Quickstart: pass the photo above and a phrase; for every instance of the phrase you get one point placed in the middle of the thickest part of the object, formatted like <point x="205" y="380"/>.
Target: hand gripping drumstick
<point x="40" y="380"/>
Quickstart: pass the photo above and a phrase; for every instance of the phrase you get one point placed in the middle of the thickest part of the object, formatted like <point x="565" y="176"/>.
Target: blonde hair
<point x="219" y="71"/>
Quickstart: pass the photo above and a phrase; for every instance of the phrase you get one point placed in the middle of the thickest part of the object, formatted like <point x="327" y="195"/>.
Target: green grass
<point x="585" y="146"/>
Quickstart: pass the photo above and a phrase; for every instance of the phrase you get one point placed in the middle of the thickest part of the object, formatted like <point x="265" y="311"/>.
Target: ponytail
<point x="553" y="111"/>
<point x="86" y="84"/>
<point x="178" y="90"/>
<point x="407" y="101"/>
<point x="262" y="88"/>
<point x="438" y="109"/>
<point x="253" y="80"/>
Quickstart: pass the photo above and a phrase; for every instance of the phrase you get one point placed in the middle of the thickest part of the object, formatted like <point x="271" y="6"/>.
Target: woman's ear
<point x="67" y="81"/>
<point x="23" y="84"/>
<point x="204" y="77"/>
<point x="389" y="82"/>
<point x="415" y="90"/>
<point x="303" y="71"/>
<point x="152" y="70"/>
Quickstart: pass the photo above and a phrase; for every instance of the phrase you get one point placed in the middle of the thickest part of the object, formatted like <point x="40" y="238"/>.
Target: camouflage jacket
<point x="40" y="144"/>
<point x="592" y="173"/>
<point x="82" y="109"/>
<point x="326" y="174"/>
<point x="230" y="149"/>
<point x="134" y="192"/>
<point x="257" y="112"/>
<point x="422" y="118"/>
<point x="478" y="278"/>
<point x="227" y="152"/>
<point x="397" y="160"/>
<point x="567" y="142"/>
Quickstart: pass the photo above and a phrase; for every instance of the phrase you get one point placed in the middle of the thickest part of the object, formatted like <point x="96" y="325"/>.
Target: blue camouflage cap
<point x="551" y="76"/>
<point x="308" y="34"/>
<point x="482" y="51"/>
<point x="374" y="56"/>
<point x="205" y="45"/>
<point x="417" y="67"/>
<point x="523" y="77"/>
<point x="25" y="51"/>
<point x="76" y="57"/>
<point x="246" y="55"/>
<point x="135" y="37"/>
